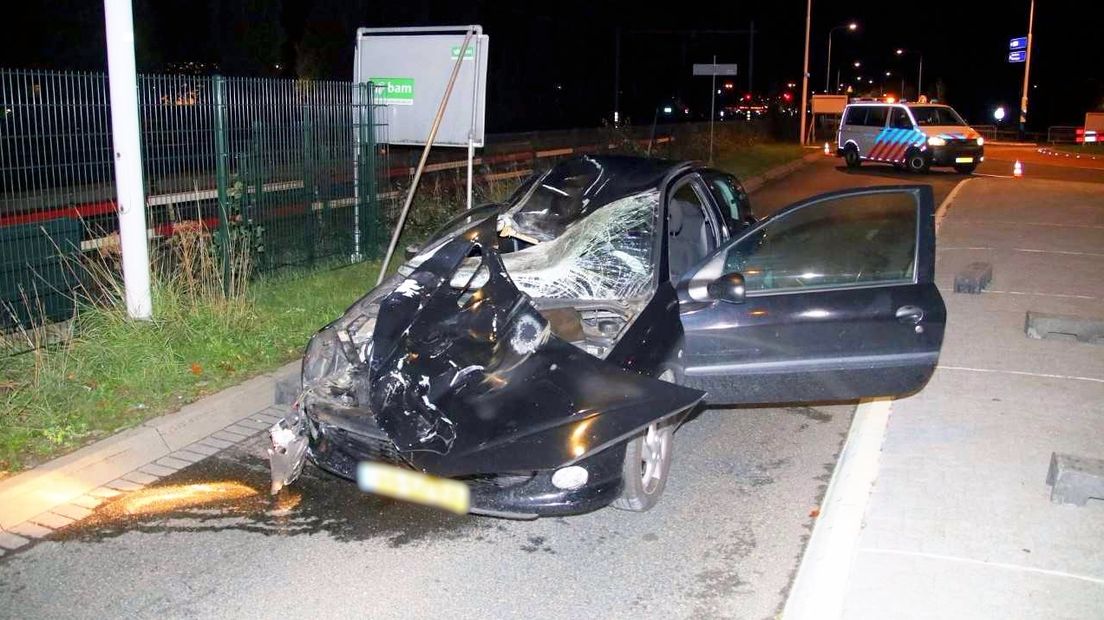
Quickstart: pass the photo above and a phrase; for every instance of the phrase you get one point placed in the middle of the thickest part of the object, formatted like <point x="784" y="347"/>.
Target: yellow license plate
<point x="413" y="486"/>
<point x="964" y="160"/>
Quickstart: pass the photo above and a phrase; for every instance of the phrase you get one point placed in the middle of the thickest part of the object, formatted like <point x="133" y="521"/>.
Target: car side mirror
<point x="729" y="287"/>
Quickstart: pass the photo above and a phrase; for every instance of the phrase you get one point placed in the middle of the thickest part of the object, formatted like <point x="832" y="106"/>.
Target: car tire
<point x="647" y="462"/>
<point x="918" y="162"/>
<point x="851" y="156"/>
<point x="965" y="168"/>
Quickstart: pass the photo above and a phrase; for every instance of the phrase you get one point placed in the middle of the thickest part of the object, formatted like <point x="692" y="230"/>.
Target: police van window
<point x="929" y="115"/>
<point x="875" y="117"/>
<point x="899" y="119"/>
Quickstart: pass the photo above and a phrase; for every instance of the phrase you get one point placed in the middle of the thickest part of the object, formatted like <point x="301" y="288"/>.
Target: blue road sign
<point x="1020" y="56"/>
<point x="1018" y="43"/>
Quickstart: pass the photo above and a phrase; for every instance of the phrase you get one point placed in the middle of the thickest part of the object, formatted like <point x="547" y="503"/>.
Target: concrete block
<point x="176" y="460"/>
<point x="287" y="390"/>
<point x="11" y="541"/>
<point x="139" y="477"/>
<point x="31" y="530"/>
<point x="1074" y="479"/>
<point x="201" y="448"/>
<point x="52" y="520"/>
<point x="156" y="469"/>
<point x="1043" y="325"/>
<point x="89" y="501"/>
<point x="973" y="278"/>
<point x="72" y="511"/>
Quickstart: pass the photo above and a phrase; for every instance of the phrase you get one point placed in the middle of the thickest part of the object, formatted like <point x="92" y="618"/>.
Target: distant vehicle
<point x="536" y="356"/>
<point x="915" y="136"/>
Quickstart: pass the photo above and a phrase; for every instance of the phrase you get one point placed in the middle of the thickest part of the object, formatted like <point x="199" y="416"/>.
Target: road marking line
<point x="1029" y="224"/>
<point x="1059" y="295"/>
<point x="944" y="206"/>
<point x="993" y="176"/>
<point x="1022" y="373"/>
<point x="822" y="576"/>
<point x="1004" y="565"/>
<point x="1028" y="250"/>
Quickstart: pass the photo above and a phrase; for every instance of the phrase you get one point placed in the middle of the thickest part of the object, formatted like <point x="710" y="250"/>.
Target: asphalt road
<point x="208" y="541"/>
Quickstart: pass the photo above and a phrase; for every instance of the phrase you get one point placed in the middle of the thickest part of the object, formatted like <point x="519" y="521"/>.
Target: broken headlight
<point x="345" y="344"/>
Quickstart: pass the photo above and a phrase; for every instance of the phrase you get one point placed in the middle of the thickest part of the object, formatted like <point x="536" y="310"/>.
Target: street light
<point x="851" y="27"/>
<point x="856" y="64"/>
<point x="919" y="74"/>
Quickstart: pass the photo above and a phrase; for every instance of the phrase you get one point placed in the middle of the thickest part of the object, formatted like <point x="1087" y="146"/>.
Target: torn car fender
<point x="470" y="379"/>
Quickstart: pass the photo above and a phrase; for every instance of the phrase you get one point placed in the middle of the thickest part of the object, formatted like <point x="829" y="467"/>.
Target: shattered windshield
<point x="606" y="255"/>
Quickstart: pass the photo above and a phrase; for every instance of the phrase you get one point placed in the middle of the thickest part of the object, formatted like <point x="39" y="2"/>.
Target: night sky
<point x="552" y="64"/>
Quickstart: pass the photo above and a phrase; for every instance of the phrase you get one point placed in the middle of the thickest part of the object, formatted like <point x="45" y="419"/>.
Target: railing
<point x="292" y="164"/>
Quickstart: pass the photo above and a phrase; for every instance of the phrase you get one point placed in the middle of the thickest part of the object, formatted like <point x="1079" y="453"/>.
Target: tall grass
<point x="111" y="371"/>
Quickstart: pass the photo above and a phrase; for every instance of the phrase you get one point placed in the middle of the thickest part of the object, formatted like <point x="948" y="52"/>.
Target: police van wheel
<point x="917" y="162"/>
<point x="851" y="157"/>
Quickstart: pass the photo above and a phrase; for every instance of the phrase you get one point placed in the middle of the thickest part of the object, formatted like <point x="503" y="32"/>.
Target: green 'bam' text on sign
<point x="468" y="53"/>
<point x="394" y="90"/>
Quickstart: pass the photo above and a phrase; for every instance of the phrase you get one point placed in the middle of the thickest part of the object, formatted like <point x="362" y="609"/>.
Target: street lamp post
<point x="805" y="71"/>
<point x="852" y="26"/>
<point x="920" y="72"/>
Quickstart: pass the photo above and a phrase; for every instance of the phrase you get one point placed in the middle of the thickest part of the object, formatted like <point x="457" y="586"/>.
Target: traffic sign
<point x="1020" y="56"/>
<point x="1018" y="43"/>
<point x="713" y="69"/>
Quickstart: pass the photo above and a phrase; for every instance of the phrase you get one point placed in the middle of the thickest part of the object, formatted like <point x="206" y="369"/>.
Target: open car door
<point x="832" y="298"/>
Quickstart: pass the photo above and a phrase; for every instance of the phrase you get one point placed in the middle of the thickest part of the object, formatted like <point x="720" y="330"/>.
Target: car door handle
<point x="910" y="314"/>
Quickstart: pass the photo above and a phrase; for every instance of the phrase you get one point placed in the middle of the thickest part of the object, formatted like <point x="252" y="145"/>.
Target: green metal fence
<point x="293" y="167"/>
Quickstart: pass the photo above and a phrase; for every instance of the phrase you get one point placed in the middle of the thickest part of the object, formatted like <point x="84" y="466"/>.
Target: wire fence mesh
<point x="293" y="168"/>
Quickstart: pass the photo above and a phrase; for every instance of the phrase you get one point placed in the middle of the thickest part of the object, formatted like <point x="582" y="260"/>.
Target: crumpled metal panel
<point x="471" y="380"/>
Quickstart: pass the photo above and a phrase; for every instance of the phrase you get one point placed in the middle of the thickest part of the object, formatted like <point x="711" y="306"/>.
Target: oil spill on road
<point x="230" y="491"/>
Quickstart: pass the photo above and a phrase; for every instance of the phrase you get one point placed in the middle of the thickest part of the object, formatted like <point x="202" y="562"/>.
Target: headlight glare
<point x="936" y="141"/>
<point x="980" y="141"/>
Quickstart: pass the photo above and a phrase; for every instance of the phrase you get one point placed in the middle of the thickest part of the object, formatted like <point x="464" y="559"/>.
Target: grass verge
<point x="748" y="161"/>
<point x="116" y="373"/>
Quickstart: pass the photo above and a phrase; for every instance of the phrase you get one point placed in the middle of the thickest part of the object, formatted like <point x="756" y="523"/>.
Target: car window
<point x="899" y="119"/>
<point x="847" y="241"/>
<point x="934" y="115"/>
<point x="875" y="117"/>
<point x="730" y="195"/>
<point x="690" y="233"/>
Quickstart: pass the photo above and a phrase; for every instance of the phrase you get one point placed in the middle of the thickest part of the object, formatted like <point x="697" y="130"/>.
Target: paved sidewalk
<point x="960" y="522"/>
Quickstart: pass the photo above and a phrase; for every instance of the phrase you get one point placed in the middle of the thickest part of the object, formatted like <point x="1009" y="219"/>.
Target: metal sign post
<point x="713" y="70"/>
<point x="1027" y="69"/>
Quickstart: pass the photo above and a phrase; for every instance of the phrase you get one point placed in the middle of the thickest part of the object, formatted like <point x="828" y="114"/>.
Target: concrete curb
<point x="778" y="172"/>
<point x="66" y="489"/>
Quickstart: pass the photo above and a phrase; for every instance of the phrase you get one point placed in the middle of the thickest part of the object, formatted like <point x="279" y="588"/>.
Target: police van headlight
<point x="980" y="141"/>
<point x="936" y="141"/>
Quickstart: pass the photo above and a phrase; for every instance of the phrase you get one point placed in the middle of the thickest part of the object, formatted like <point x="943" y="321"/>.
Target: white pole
<point x="123" y="81"/>
<point x="828" y="71"/>
<point x="471" y="159"/>
<point x="712" y="107"/>
<point x="1027" y="70"/>
<point x="805" y="71"/>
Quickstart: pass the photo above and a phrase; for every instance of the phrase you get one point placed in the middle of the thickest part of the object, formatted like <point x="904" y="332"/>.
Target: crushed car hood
<point x="470" y="379"/>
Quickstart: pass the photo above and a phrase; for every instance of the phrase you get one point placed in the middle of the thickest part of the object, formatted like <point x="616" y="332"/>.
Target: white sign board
<point x="712" y="69"/>
<point x="411" y="68"/>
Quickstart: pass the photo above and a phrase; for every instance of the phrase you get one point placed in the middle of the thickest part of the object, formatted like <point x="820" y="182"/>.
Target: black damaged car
<point x="535" y="357"/>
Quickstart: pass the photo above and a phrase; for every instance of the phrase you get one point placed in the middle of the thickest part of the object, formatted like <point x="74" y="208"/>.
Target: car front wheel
<point x="647" y="463"/>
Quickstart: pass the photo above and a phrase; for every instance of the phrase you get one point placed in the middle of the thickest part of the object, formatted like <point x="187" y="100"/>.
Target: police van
<point x="913" y="136"/>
